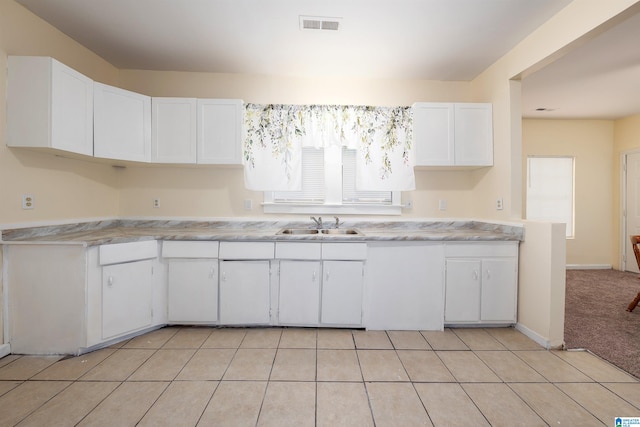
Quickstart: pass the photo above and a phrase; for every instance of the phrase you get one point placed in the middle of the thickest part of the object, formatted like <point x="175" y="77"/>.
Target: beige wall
<point x="591" y="143"/>
<point x="627" y="138"/>
<point x="219" y="192"/>
<point x="63" y="189"/>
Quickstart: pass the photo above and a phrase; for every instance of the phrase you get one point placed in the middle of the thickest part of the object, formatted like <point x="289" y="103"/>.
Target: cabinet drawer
<point x="345" y="251"/>
<point x="285" y="250"/>
<point x="127" y="252"/>
<point x="244" y="250"/>
<point x="483" y="250"/>
<point x="189" y="249"/>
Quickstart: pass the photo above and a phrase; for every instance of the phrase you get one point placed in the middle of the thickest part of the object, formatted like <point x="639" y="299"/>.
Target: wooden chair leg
<point x="634" y="303"/>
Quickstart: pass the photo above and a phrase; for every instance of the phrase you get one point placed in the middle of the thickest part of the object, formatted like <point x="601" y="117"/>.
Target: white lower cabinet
<point x="245" y="283"/>
<point x="342" y="287"/>
<point x="245" y="292"/>
<point x="320" y="284"/>
<point x="78" y="298"/>
<point x="193" y="291"/>
<point x="192" y="281"/>
<point x="299" y="296"/>
<point x="481" y="283"/>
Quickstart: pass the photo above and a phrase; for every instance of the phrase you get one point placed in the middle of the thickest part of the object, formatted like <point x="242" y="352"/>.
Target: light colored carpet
<point x="596" y="318"/>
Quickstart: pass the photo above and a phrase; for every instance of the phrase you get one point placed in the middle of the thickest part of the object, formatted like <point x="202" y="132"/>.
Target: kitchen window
<point x="550" y="190"/>
<point x="329" y="187"/>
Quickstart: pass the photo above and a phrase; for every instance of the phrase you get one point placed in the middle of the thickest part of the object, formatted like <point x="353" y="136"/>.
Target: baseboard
<point x="5" y="350"/>
<point x="544" y="342"/>
<point x="589" y="267"/>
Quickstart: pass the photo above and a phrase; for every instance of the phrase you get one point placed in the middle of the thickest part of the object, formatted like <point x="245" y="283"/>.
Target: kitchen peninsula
<point x="102" y="282"/>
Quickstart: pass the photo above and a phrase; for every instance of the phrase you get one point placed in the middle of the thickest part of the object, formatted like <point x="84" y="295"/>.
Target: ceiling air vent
<point x="319" y="23"/>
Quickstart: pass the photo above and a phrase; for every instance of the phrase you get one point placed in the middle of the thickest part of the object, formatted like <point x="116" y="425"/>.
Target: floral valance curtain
<point x="275" y="134"/>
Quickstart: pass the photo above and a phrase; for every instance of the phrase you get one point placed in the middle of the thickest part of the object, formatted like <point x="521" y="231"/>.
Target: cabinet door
<point x="122" y="121"/>
<point x="71" y="110"/>
<point x="245" y="292"/>
<point x="462" y="292"/>
<point x="433" y="134"/>
<point x="193" y="290"/>
<point x="219" y="131"/>
<point x="342" y="293"/>
<point x="473" y="135"/>
<point x="173" y="133"/>
<point x="299" y="299"/>
<point x="126" y="298"/>
<point x="499" y="289"/>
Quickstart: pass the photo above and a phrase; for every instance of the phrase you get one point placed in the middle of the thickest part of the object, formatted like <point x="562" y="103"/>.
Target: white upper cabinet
<point x="122" y="124"/>
<point x="220" y="131"/>
<point x="173" y="133"/>
<point x="49" y="105"/>
<point x="448" y="134"/>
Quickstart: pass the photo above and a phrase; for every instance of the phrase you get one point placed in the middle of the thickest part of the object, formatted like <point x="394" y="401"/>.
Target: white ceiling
<point x="599" y="80"/>
<point x="413" y="39"/>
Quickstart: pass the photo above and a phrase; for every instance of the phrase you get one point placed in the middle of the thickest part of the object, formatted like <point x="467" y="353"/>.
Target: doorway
<point x="630" y="208"/>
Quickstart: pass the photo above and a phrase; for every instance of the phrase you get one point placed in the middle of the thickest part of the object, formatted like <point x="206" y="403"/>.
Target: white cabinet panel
<point x="404" y="286"/>
<point x="499" y="289"/>
<point x="245" y="292"/>
<point x="49" y="105"/>
<point x="246" y="250"/>
<point x="433" y="133"/>
<point x="299" y="297"/>
<point x="193" y="291"/>
<point x="126" y="298"/>
<point x="453" y="134"/>
<point x="462" y="296"/>
<point x="173" y="133"/>
<point x="122" y="124"/>
<point x="342" y="283"/>
<point x="189" y="249"/>
<point x="220" y="131"/>
<point x="473" y="135"/>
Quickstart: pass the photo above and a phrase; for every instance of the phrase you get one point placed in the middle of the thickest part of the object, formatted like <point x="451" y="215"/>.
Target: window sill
<point x="302" y="208"/>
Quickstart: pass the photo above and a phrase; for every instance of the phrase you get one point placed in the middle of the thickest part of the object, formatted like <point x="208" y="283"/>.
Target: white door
<point x="433" y="133"/>
<point x="299" y="301"/>
<point x="632" y="209"/>
<point x="122" y="124"/>
<point x="499" y="287"/>
<point x="219" y="132"/>
<point x="462" y="290"/>
<point x="126" y="298"/>
<point x="193" y="290"/>
<point x="245" y="292"/>
<point x="342" y="293"/>
<point x="173" y="133"/>
<point x="71" y="110"/>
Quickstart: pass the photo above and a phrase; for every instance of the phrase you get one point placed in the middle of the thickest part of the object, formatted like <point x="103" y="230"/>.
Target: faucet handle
<point x="338" y="223"/>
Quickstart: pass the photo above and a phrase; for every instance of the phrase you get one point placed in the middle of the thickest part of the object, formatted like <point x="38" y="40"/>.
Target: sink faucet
<point x="338" y="223"/>
<point x="317" y="221"/>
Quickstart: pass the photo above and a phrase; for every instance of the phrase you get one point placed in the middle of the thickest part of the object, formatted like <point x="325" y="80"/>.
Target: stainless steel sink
<point x="348" y="231"/>
<point x="298" y="231"/>
<point x="311" y="231"/>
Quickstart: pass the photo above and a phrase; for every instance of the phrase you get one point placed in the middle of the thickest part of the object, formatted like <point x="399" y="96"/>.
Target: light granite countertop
<point x="122" y="231"/>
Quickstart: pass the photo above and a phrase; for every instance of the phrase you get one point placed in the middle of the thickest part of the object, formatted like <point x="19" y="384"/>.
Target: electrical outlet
<point x="248" y="205"/>
<point x="409" y="204"/>
<point x="499" y="205"/>
<point x="156" y="203"/>
<point x="442" y="204"/>
<point x="28" y="202"/>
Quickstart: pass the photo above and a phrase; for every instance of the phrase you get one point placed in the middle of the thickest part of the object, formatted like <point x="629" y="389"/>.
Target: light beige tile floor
<point x="192" y="376"/>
